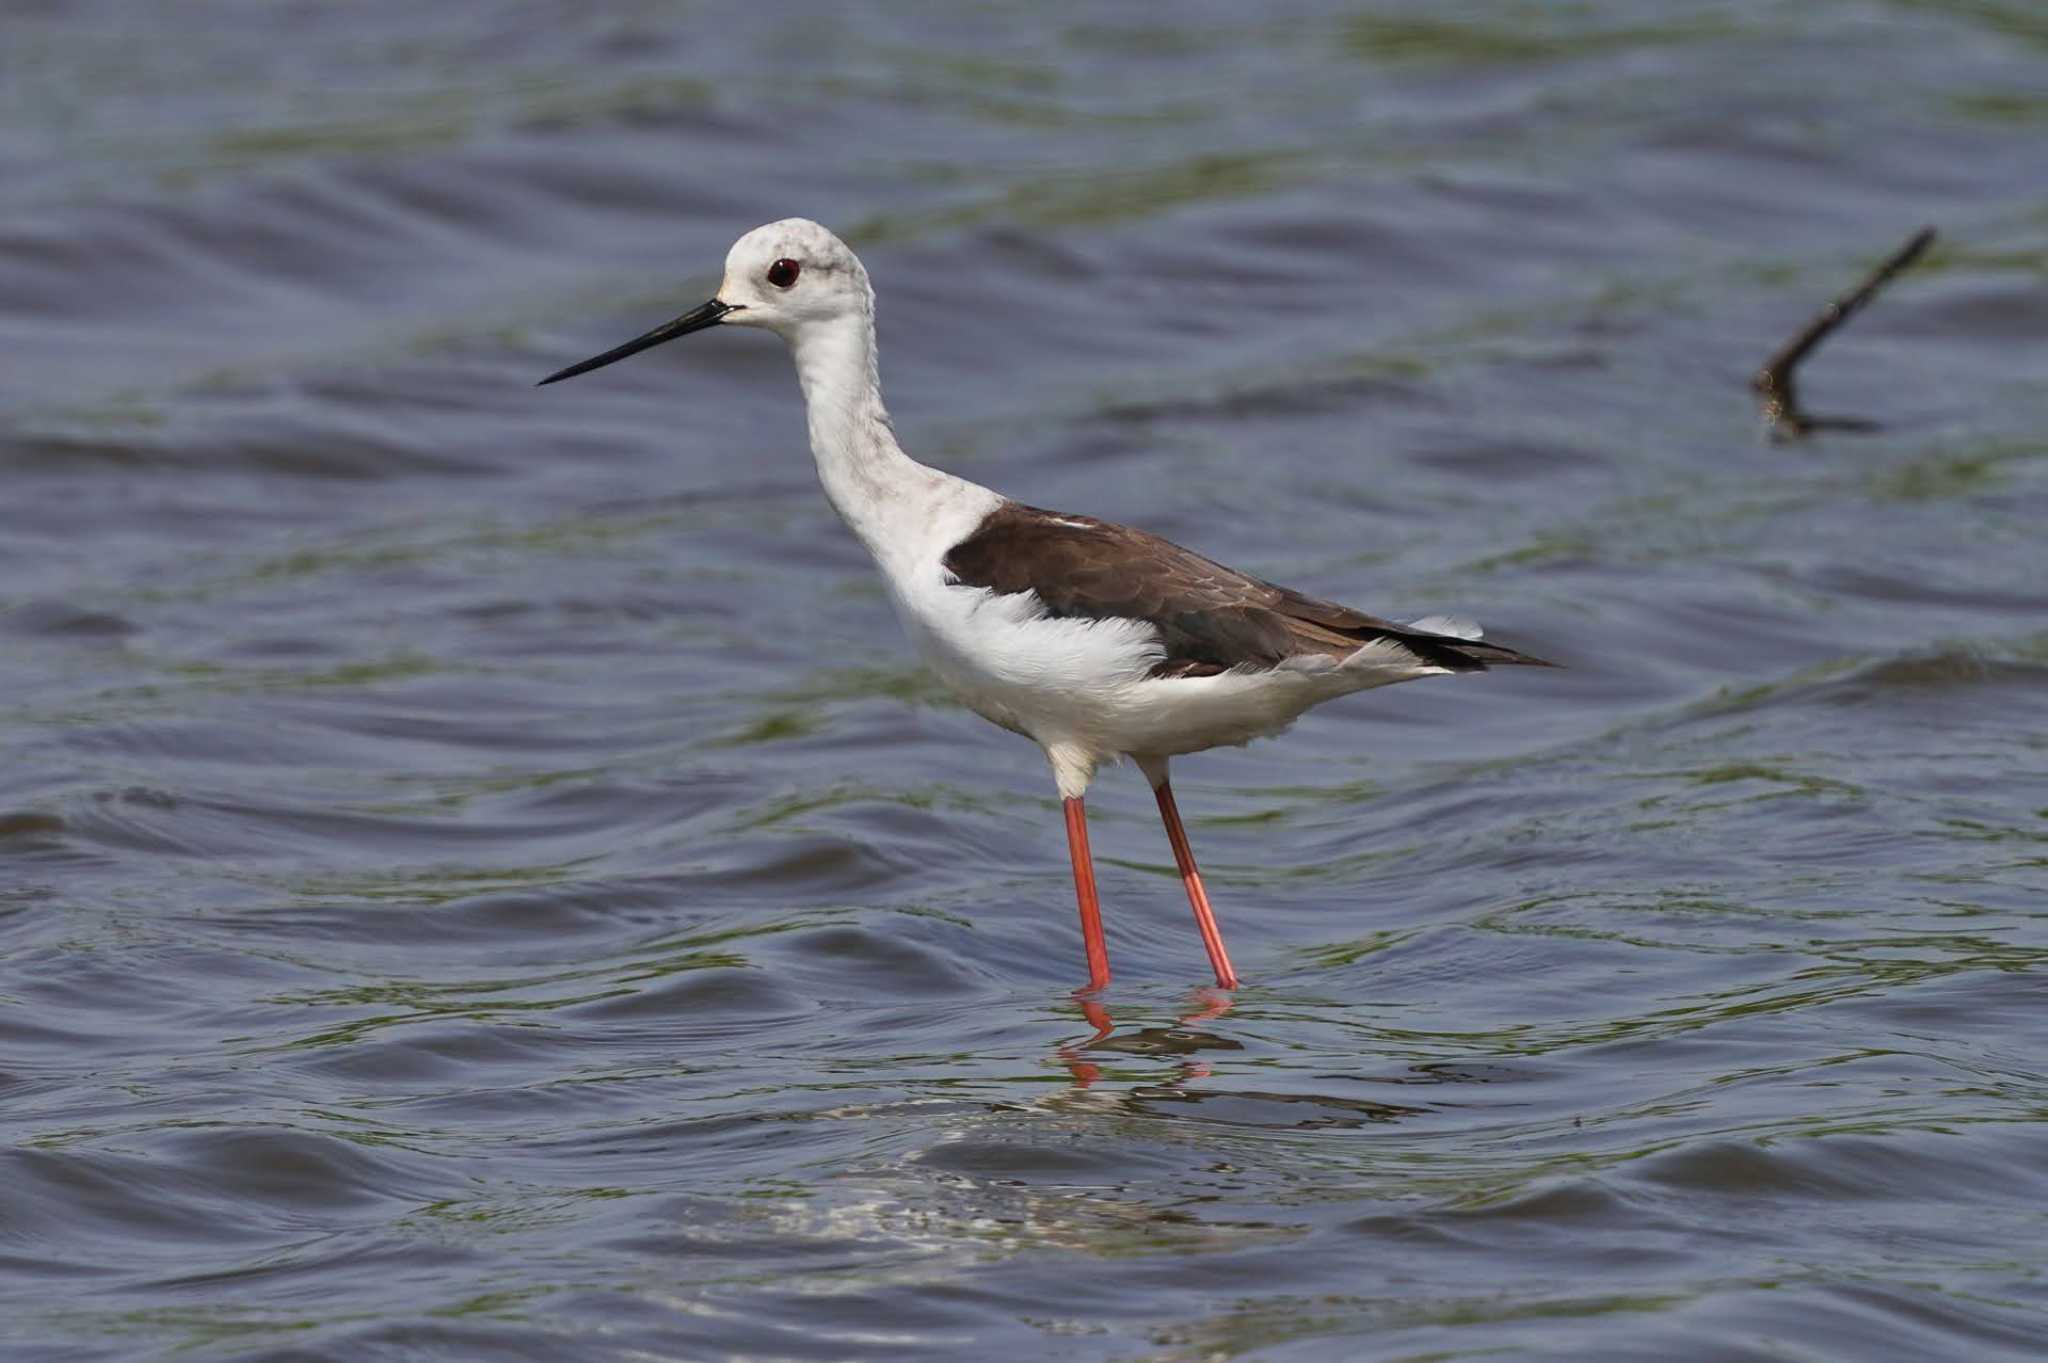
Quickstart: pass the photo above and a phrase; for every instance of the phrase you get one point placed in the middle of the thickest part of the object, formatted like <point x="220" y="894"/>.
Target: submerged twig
<point x="1773" y="382"/>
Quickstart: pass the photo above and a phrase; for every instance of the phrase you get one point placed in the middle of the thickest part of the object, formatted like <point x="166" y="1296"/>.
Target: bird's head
<point x="789" y="277"/>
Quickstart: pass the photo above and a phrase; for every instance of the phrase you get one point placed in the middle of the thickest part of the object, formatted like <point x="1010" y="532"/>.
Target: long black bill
<point x="694" y="320"/>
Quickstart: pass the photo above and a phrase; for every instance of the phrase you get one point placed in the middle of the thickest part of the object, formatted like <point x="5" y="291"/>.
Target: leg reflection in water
<point x="1180" y="1039"/>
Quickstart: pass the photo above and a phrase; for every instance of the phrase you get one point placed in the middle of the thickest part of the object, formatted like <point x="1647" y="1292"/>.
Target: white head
<point x="791" y="277"/>
<point x="792" y="274"/>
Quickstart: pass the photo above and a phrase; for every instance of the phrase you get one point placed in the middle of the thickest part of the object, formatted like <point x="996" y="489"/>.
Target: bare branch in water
<point x="1773" y="382"/>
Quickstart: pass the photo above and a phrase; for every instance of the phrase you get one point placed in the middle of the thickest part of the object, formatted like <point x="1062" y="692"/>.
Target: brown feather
<point x="1210" y="618"/>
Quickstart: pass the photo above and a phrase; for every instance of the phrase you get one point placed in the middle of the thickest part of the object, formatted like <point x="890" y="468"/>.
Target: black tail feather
<point x="1464" y="655"/>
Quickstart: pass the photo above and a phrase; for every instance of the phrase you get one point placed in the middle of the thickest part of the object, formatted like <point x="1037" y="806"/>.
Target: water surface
<point x="482" y="878"/>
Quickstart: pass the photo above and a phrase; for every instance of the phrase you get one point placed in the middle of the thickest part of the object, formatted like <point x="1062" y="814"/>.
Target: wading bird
<point x="1093" y="640"/>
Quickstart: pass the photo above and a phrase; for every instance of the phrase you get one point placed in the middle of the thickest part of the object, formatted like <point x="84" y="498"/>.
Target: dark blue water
<point x="481" y="877"/>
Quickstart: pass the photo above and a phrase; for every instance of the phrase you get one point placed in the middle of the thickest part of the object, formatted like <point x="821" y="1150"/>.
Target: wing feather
<point x="1210" y="618"/>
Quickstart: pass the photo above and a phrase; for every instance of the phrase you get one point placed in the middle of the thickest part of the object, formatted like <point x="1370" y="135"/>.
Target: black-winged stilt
<point x="1094" y="640"/>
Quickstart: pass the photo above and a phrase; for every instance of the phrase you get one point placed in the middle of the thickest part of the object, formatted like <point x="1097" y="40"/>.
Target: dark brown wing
<point x="1210" y="618"/>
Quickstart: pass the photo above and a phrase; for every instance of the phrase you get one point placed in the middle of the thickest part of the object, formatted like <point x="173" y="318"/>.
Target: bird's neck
<point x="874" y="486"/>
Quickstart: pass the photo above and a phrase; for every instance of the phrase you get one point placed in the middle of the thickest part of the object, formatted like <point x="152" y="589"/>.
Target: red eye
<point x="783" y="273"/>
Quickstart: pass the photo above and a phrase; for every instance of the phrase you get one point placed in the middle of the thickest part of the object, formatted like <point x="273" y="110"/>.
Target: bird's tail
<point x="1457" y="645"/>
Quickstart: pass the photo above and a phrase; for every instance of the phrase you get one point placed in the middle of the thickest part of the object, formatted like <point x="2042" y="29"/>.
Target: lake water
<point x="481" y="877"/>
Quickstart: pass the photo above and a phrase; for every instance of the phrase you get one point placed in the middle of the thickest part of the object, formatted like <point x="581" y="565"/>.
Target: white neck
<point x="877" y="489"/>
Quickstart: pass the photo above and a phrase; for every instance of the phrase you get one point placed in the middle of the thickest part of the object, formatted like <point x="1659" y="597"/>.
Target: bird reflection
<point x="1182" y="1039"/>
<point x="1176" y="1094"/>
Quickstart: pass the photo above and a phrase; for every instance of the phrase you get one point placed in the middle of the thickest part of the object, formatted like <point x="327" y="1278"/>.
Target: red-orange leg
<point x="1198" y="897"/>
<point x="1084" y="892"/>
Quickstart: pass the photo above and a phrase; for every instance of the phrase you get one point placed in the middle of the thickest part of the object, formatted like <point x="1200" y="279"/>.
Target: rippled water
<point x="481" y="878"/>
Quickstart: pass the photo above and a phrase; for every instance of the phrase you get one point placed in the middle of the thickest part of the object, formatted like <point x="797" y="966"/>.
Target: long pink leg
<point x="1198" y="897"/>
<point x="1084" y="891"/>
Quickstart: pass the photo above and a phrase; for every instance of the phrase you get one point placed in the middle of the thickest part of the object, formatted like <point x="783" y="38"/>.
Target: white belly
<point x="1085" y="685"/>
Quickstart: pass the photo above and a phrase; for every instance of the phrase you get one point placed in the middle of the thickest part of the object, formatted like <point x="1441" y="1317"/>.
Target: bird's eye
<point x="783" y="273"/>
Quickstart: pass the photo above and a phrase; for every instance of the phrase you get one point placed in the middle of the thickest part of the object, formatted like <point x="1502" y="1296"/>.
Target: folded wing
<point x="1210" y="618"/>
